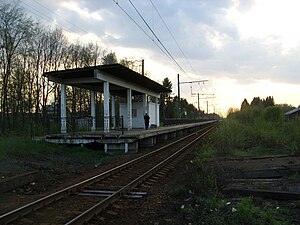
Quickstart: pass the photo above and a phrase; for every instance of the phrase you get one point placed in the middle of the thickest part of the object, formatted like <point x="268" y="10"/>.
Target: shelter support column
<point x="113" y="112"/>
<point x="106" y="106"/>
<point x="145" y="104"/>
<point x="93" y="111"/>
<point x="63" y="109"/>
<point x="129" y="109"/>
<point x="156" y="113"/>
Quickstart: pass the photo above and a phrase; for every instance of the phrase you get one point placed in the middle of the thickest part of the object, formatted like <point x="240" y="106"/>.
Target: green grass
<point x="26" y="152"/>
<point x="255" y="132"/>
<point x="294" y="176"/>
<point x="211" y="207"/>
<point x="214" y="211"/>
<point x="259" y="137"/>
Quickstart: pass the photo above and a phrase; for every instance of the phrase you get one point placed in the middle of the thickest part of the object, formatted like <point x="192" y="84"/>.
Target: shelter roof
<point x="293" y="111"/>
<point x="87" y="78"/>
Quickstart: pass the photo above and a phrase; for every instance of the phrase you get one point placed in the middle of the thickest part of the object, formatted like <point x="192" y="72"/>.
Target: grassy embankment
<point x="18" y="155"/>
<point x="252" y="132"/>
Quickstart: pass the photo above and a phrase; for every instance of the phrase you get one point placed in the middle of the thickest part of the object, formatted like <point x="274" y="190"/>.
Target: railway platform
<point x="127" y="140"/>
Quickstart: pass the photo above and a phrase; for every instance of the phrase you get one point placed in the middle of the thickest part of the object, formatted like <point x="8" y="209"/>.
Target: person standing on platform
<point x="147" y="119"/>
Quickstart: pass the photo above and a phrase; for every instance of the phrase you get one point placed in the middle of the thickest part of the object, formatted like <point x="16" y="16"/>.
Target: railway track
<point x="80" y="202"/>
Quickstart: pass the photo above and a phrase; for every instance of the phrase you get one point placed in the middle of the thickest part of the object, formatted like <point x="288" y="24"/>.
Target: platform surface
<point x="134" y="133"/>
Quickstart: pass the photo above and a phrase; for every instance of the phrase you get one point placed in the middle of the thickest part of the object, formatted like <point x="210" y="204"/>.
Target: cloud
<point x="83" y="12"/>
<point x="239" y="41"/>
<point x="210" y="32"/>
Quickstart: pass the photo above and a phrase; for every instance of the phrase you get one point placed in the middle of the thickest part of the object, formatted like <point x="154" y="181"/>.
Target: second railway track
<point x="80" y="202"/>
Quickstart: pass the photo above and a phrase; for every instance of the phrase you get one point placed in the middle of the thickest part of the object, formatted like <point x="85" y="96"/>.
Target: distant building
<point x="293" y="114"/>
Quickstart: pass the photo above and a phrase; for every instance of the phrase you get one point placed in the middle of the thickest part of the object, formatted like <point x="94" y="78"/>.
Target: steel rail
<point x="42" y="202"/>
<point x="99" y="207"/>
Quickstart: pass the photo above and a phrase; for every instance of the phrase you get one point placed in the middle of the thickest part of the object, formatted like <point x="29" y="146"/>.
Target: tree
<point x="167" y="83"/>
<point x="269" y="101"/>
<point x="231" y="112"/>
<point x="15" y="28"/>
<point x="126" y="62"/>
<point x="286" y="107"/>
<point x="244" y="105"/>
<point x="256" y="102"/>
<point x="27" y="50"/>
<point x="165" y="98"/>
<point x="135" y="65"/>
<point x="109" y="58"/>
<point x="171" y="108"/>
<point x="53" y="45"/>
<point x="188" y="110"/>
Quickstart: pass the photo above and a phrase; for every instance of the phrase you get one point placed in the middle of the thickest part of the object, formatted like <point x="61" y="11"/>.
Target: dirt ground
<point x="165" y="205"/>
<point x="160" y="206"/>
<point x="50" y="178"/>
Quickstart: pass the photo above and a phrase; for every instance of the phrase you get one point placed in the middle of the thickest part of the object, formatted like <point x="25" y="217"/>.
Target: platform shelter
<point x="113" y="80"/>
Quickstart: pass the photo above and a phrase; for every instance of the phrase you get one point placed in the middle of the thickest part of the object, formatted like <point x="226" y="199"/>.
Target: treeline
<point x="258" y="125"/>
<point x="263" y="109"/>
<point x="27" y="50"/>
<point x="170" y="107"/>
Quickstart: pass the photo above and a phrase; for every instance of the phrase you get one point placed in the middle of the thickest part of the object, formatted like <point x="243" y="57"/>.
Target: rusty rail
<point x="26" y="209"/>
<point x="98" y="208"/>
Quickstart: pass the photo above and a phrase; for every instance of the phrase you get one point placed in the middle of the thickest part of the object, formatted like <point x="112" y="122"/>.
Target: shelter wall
<point x="137" y="114"/>
<point x="153" y="113"/>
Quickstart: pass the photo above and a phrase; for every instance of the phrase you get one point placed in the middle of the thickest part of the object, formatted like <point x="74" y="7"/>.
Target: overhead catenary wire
<point x="78" y="30"/>
<point x="117" y="3"/>
<point x="72" y="24"/>
<point x="152" y="39"/>
<point x="180" y="49"/>
<point x="34" y="11"/>
<point x="167" y="51"/>
<point x="48" y="19"/>
<point x="170" y="55"/>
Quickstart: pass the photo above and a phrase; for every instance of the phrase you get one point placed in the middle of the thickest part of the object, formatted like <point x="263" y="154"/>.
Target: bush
<point x="209" y="206"/>
<point x="256" y="127"/>
<point x="273" y="114"/>
<point x="248" y="213"/>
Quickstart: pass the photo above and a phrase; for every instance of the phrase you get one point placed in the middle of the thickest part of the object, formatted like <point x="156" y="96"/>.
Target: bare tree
<point x="53" y="44"/>
<point x="27" y="51"/>
<point x="15" y="27"/>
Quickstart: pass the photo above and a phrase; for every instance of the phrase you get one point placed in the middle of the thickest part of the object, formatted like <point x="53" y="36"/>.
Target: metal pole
<point x="206" y="107"/>
<point x="122" y="120"/>
<point x="198" y="103"/>
<point x="179" y="114"/>
<point x="93" y="111"/>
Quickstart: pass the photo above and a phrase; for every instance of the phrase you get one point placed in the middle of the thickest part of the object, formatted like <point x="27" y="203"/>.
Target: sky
<point x="243" y="48"/>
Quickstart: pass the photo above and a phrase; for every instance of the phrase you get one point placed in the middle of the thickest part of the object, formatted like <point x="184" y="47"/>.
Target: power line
<point x="48" y="19"/>
<point x="172" y="35"/>
<point x="36" y="12"/>
<point x="157" y="37"/>
<point x="140" y="27"/>
<point x="74" y="25"/>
